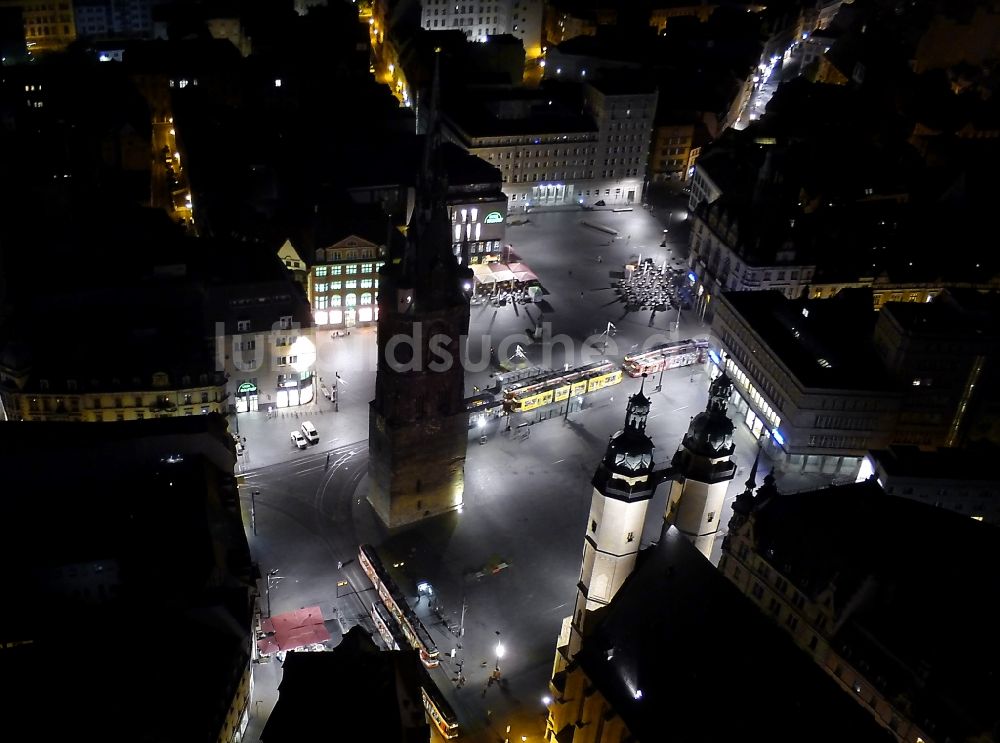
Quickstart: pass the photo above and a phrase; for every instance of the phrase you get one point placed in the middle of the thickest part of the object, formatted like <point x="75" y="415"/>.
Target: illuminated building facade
<point x="702" y="469"/>
<point x="264" y="334"/>
<point x="675" y="149"/>
<point x="732" y="251"/>
<point x="623" y="486"/>
<point x="822" y="382"/>
<point x="478" y="19"/>
<point x="479" y="228"/>
<point x="99" y="18"/>
<point x="35" y="395"/>
<point x="550" y="155"/>
<point x="159" y="366"/>
<point x="817" y="395"/>
<point x="344" y="283"/>
<point x="49" y="25"/>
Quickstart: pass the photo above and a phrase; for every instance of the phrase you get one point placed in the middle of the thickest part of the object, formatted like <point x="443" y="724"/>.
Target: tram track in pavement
<point x="322" y="511"/>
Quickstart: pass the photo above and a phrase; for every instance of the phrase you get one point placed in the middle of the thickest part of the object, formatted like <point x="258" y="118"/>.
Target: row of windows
<point x="485" y="246"/>
<point x="285" y="322"/>
<point x="737" y="349"/>
<point x="544" y="153"/>
<point x="251" y="345"/>
<point x="529" y="140"/>
<point x="459" y="22"/>
<point x="843" y="422"/>
<point x="753" y="393"/>
<point x="349" y="300"/>
<point x="48" y="404"/>
<point x="471" y="8"/>
<point x="536" y="164"/>
<point x="46" y="30"/>
<point x="349" y="269"/>
<point x="839" y="442"/>
<point x="349" y="284"/>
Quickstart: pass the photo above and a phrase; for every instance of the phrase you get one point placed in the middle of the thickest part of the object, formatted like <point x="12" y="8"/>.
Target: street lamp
<point x="608" y="332"/>
<point x="271" y="575"/>
<point x="500" y="652"/>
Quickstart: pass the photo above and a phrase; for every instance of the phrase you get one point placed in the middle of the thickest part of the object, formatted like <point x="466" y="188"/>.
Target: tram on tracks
<point x="558" y="386"/>
<point x="416" y="635"/>
<point x="666" y="356"/>
<point x="435" y="705"/>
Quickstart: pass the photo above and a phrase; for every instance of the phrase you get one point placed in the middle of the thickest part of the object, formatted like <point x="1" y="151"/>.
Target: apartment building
<point x="478" y="19"/>
<point x="808" y="379"/>
<point x="343" y="282"/>
<point x="550" y="155"/>
<point x="905" y="631"/>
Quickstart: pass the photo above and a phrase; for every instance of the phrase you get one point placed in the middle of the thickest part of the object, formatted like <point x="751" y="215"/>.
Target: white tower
<point x="623" y="485"/>
<point x="702" y="470"/>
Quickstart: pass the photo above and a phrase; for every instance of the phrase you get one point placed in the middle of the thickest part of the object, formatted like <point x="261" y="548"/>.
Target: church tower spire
<point x="418" y="424"/>
<point x="623" y="486"/>
<point x="703" y="467"/>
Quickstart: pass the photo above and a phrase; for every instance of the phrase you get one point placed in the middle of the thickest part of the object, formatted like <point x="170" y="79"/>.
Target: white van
<point x="310" y="432"/>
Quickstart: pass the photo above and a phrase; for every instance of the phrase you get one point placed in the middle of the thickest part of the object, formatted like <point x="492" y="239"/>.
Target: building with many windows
<point x="100" y="18"/>
<point x="825" y="381"/>
<point x="549" y="154"/>
<point x="905" y="631"/>
<point x="343" y="282"/>
<point x="676" y="145"/>
<point x="808" y="379"/>
<point x="263" y="330"/>
<point x="478" y="19"/>
<point x="158" y="365"/>
<point x="48" y="24"/>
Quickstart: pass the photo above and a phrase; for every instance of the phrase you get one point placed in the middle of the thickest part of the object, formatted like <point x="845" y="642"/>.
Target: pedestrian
<point x="327" y="461"/>
<point x="581" y="292"/>
<point x="599" y="259"/>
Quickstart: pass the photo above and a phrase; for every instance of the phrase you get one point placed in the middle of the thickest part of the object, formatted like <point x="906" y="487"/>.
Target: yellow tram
<point x="560" y="386"/>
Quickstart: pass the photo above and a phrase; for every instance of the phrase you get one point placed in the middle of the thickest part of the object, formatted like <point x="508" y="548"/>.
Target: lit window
<point x="277" y="82"/>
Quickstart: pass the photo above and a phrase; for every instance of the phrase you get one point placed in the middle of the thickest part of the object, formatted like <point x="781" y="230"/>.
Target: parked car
<point x="310" y="432"/>
<point x="299" y="440"/>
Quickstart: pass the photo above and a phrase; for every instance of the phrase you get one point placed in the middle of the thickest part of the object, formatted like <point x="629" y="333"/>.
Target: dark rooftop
<point x="917" y="584"/>
<point x="105" y="558"/>
<point x="676" y="628"/>
<point x="825" y="343"/>
<point x="380" y="691"/>
<point x="967" y="464"/>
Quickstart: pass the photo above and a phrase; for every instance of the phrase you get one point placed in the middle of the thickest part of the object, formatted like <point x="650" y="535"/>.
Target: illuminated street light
<point x="500" y="652"/>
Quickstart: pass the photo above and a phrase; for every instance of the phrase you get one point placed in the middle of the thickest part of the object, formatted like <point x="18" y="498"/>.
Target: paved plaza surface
<point x="512" y="555"/>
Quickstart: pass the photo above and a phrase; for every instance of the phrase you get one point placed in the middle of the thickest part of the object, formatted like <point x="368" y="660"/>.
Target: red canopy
<point x="293" y="629"/>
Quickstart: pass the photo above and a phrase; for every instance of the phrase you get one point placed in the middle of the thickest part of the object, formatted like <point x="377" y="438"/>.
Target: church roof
<point x="709" y="665"/>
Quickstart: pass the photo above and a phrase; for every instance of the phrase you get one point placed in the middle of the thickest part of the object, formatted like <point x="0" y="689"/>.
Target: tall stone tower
<point x="623" y="486"/>
<point x="418" y="425"/>
<point x="703" y="467"/>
